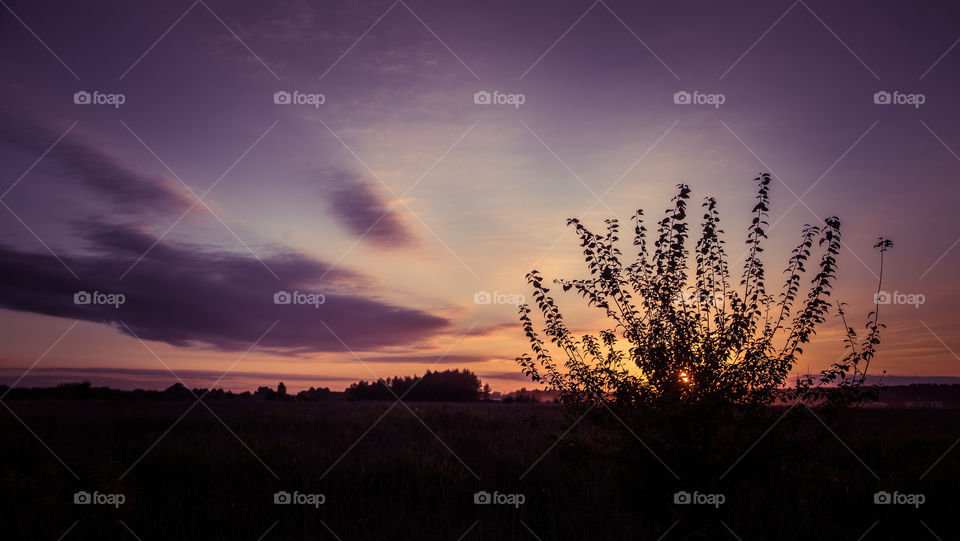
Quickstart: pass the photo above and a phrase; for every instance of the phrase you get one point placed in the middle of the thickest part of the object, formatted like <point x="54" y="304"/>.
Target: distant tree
<point x="362" y="390"/>
<point x="265" y="393"/>
<point x="281" y="391"/>
<point x="216" y="394"/>
<point x="534" y="396"/>
<point x="314" y="395"/>
<point x="683" y="332"/>
<point x="485" y="394"/>
<point x="177" y="390"/>
<point x="447" y="386"/>
<point x="79" y="390"/>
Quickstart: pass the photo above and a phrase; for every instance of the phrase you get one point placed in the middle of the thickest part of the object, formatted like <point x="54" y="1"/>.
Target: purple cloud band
<point x="185" y="294"/>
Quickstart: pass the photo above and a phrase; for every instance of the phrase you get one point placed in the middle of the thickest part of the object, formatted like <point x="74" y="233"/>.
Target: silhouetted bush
<point x="683" y="333"/>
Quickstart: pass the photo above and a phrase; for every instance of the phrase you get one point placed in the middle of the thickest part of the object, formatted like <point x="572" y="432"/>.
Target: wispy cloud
<point x="362" y="211"/>
<point x="129" y="190"/>
<point x="428" y="359"/>
<point x="160" y="378"/>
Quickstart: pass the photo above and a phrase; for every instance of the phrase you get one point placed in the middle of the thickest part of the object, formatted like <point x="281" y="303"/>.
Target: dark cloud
<point x="189" y="295"/>
<point x="361" y="210"/>
<point x="129" y="190"/>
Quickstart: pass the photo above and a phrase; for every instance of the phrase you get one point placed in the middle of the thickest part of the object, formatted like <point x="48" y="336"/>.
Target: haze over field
<point x="398" y="167"/>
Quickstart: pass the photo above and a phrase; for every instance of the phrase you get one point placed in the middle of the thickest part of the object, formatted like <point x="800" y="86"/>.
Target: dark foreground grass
<point x="389" y="474"/>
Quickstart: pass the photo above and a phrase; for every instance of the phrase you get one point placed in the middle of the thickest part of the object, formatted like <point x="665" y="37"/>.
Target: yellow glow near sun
<point x="684" y="377"/>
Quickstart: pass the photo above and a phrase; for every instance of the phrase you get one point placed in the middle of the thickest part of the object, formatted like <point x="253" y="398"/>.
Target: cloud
<point x="510" y="376"/>
<point x="159" y="378"/>
<point x="188" y="295"/>
<point x="494" y="329"/>
<point x="281" y="21"/>
<point x="361" y="211"/>
<point x="129" y="190"/>
<point x="427" y="359"/>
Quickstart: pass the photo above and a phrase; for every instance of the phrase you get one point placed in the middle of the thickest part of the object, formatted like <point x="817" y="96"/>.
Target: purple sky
<point x="399" y="198"/>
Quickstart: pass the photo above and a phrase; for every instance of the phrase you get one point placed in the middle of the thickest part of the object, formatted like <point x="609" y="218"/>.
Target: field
<point x="416" y="476"/>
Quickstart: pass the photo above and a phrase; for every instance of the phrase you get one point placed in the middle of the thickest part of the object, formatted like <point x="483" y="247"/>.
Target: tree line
<point x="447" y="386"/>
<point x="440" y="386"/>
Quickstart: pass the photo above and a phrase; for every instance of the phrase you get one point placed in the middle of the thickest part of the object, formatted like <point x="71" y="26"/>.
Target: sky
<point x="392" y="165"/>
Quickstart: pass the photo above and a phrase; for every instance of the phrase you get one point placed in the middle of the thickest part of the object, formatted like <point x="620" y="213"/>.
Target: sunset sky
<point x="399" y="198"/>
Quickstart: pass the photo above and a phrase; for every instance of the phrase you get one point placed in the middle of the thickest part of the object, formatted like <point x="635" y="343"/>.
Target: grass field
<point x="415" y="476"/>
